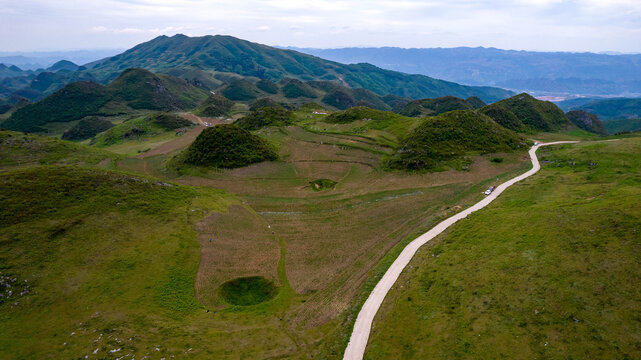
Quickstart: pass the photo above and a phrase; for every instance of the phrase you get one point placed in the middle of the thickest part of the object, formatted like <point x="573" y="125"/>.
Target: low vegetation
<point x="141" y="128"/>
<point x="216" y="105"/>
<point x="248" y="290"/>
<point x="586" y="121"/>
<point x="170" y="121"/>
<point x="624" y="125"/>
<point x="549" y="270"/>
<point x="436" y="106"/>
<point x="322" y="184"/>
<point x="87" y="128"/>
<point x="265" y="116"/>
<point x="241" y="90"/>
<point x="116" y="253"/>
<point x="19" y="149"/>
<point x="533" y="114"/>
<point x="133" y="89"/>
<point x="293" y="88"/>
<point x="451" y="135"/>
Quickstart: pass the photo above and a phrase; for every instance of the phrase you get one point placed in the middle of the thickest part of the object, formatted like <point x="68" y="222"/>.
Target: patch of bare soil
<point x="236" y="244"/>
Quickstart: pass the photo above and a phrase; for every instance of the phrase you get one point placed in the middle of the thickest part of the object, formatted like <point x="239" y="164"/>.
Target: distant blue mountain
<point x="534" y="72"/>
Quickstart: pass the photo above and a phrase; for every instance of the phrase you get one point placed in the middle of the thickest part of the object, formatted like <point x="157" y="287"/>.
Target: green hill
<point x="360" y="113"/>
<point x="241" y="90"/>
<point x="141" y="128"/>
<point x="115" y="252"/>
<point x="72" y="102"/>
<point x="451" y="135"/>
<point x="607" y="109"/>
<point x="264" y="102"/>
<point x="133" y="89"/>
<point x="141" y="89"/>
<point x="433" y="107"/>
<point x="87" y="128"/>
<point x="623" y="125"/>
<point x="586" y="121"/>
<point x="19" y="149"/>
<point x="476" y="102"/>
<point x="265" y="116"/>
<point x="228" y="146"/>
<point x="215" y="105"/>
<point x="534" y="114"/>
<point x="226" y="54"/>
<point x="63" y="65"/>
<point x="294" y="88"/>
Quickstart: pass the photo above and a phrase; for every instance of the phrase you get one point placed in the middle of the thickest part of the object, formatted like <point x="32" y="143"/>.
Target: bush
<point x="322" y="184"/>
<point x="228" y="146"/>
<point x="241" y="90"/>
<point x="265" y="116"/>
<point x="339" y="98"/>
<point x="248" y="290"/>
<point x="263" y="102"/>
<point x="215" y="105"/>
<point x="170" y="121"/>
<point x="267" y="86"/>
<point x="452" y="135"/>
<point x="87" y="128"/>
<point x="296" y="88"/>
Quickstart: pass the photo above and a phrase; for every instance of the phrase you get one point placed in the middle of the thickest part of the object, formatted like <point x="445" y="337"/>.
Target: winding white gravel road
<point x="358" y="341"/>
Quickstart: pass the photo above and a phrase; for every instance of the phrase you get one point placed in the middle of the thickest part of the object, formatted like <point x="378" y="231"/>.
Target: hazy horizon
<point x="531" y="25"/>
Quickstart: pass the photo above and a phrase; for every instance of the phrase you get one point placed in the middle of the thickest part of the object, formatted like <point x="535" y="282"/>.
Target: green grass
<point x="248" y="290"/>
<point x="450" y="136"/>
<point x="322" y="184"/>
<point x="549" y="270"/>
<point x="265" y="116"/>
<point x="140" y="132"/>
<point x="110" y="259"/>
<point x="19" y="149"/>
<point x="87" y="128"/>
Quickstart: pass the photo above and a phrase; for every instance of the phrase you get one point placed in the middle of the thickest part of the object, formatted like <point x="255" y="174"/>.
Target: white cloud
<point x="129" y="31"/>
<point x="595" y="25"/>
<point x="98" y="29"/>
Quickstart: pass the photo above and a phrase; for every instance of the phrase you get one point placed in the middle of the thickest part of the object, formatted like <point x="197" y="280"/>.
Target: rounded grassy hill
<point x="228" y="146"/>
<point x="451" y="135"/>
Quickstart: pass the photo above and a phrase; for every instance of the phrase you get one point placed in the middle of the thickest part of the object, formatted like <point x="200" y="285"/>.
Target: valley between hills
<point x="210" y="197"/>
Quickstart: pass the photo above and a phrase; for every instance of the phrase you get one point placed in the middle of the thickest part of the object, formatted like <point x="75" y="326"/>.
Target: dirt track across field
<point x="360" y="334"/>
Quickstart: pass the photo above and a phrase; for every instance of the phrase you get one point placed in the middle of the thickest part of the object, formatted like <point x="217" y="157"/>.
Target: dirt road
<point x="360" y="334"/>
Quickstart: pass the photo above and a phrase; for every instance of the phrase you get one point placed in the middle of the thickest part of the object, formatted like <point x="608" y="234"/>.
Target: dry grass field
<point x="325" y="244"/>
<point x="316" y="252"/>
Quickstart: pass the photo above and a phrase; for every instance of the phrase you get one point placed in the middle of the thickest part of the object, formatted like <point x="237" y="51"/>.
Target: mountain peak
<point x="63" y="65"/>
<point x="211" y="54"/>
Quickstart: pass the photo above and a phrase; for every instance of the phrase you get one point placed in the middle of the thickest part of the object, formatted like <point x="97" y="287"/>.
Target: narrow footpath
<point x="360" y="334"/>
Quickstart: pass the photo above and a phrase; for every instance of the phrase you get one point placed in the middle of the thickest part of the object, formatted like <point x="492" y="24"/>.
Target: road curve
<point x="360" y="334"/>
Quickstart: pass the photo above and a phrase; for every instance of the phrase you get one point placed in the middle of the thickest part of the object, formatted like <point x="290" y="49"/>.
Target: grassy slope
<point x="140" y="134"/>
<point x="133" y="89"/>
<point x="612" y="109"/>
<point x="615" y="126"/>
<point x="18" y="149"/>
<point x="550" y="270"/>
<point x="103" y="253"/>
<point x="452" y="135"/>
<point x="232" y="55"/>
<point x="523" y="110"/>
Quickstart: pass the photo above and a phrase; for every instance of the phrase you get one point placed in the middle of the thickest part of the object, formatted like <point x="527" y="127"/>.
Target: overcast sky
<point x="547" y="25"/>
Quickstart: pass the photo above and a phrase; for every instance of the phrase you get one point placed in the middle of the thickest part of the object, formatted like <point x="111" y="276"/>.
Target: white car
<point x="488" y="192"/>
